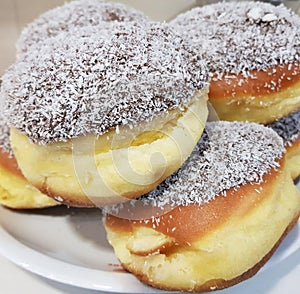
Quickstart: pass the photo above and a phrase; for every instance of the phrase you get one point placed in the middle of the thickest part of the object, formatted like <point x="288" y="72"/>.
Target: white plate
<point x="69" y="246"/>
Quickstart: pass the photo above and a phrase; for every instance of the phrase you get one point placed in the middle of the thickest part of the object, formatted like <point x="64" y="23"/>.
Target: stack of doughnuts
<point x="105" y="108"/>
<point x="253" y="56"/>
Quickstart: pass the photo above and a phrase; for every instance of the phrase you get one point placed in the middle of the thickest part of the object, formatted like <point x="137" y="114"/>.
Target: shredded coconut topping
<point x="4" y="135"/>
<point x="238" y="37"/>
<point x="228" y="155"/>
<point x="288" y="127"/>
<point x="74" y="15"/>
<point x="4" y="129"/>
<point x="99" y="78"/>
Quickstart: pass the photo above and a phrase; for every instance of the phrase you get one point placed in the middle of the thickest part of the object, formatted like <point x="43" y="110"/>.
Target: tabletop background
<point x="14" y="15"/>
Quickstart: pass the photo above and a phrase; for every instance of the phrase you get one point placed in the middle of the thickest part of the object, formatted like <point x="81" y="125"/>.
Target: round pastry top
<point x="238" y="37"/>
<point x="288" y="127"/>
<point x="74" y="15"/>
<point x="97" y="78"/>
<point x="228" y="155"/>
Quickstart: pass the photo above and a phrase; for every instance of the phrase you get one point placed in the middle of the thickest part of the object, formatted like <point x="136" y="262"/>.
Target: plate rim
<point x="22" y="255"/>
<point x="82" y="277"/>
<point x="95" y="279"/>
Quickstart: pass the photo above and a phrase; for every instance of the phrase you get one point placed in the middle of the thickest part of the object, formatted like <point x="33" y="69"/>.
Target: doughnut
<point x="106" y="113"/>
<point x="252" y="53"/>
<point x="288" y="128"/>
<point x="73" y="15"/>
<point x="217" y="220"/>
<point x="15" y="191"/>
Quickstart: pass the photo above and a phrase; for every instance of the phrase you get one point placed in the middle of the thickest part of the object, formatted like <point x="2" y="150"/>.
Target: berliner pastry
<point x="252" y="51"/>
<point x="105" y="113"/>
<point x="217" y="220"/>
<point x="15" y="191"/>
<point x="288" y="128"/>
<point x="73" y="15"/>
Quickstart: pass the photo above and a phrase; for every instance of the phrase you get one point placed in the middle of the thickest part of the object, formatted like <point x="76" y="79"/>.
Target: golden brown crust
<point x="79" y="200"/>
<point x="219" y="284"/>
<point x="287" y="74"/>
<point x="205" y="218"/>
<point x="201" y="253"/>
<point x="15" y="191"/>
<point x="263" y="97"/>
<point x="10" y="164"/>
<point x="69" y="199"/>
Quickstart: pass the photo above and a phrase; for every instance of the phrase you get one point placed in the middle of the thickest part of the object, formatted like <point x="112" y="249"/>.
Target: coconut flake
<point x="288" y="127"/>
<point x="238" y="37"/>
<point x="73" y="15"/>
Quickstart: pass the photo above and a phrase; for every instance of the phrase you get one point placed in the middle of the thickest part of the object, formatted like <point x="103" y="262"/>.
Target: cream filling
<point x="17" y="193"/>
<point x="226" y="253"/>
<point x="85" y="167"/>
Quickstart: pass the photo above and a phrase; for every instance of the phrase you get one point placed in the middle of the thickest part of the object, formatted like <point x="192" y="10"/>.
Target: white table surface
<point x="282" y="278"/>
